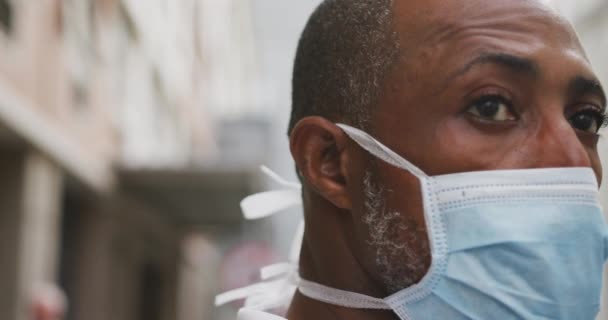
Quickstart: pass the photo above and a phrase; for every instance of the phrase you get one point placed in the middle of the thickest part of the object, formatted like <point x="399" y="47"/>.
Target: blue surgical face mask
<point x="516" y="244"/>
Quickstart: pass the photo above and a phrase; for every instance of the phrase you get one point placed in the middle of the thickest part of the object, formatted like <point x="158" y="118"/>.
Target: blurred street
<point x="129" y="132"/>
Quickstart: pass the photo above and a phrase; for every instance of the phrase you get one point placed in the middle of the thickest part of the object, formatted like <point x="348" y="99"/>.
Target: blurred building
<point x="112" y="174"/>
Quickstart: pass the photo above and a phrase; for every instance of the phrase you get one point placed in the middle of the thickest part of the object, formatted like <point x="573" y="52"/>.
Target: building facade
<point x="111" y="178"/>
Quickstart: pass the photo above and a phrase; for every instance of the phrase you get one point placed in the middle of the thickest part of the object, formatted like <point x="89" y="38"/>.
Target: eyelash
<point x="490" y="96"/>
<point x="604" y="119"/>
<point x="494" y="96"/>
<point x="602" y="116"/>
<point x="590" y="109"/>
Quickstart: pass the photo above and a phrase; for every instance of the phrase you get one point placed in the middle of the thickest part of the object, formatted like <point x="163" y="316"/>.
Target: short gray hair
<point x="343" y="58"/>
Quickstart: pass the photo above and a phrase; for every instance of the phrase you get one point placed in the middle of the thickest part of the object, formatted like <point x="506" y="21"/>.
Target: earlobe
<point x="318" y="148"/>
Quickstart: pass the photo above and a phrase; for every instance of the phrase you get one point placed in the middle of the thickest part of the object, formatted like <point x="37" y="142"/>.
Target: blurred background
<point x="129" y="132"/>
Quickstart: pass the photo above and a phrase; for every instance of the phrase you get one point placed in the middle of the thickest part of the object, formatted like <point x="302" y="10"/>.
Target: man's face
<point x="480" y="85"/>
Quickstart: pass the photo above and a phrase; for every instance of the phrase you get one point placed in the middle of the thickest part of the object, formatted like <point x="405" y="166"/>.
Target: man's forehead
<point x="433" y="9"/>
<point x="438" y="20"/>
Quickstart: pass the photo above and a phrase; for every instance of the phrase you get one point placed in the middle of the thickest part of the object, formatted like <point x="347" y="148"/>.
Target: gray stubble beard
<point x="399" y="244"/>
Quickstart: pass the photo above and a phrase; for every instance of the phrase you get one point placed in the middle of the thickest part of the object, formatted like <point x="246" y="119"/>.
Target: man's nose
<point x="559" y="146"/>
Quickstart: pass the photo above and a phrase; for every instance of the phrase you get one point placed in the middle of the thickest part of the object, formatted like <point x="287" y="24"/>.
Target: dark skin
<point x="480" y="85"/>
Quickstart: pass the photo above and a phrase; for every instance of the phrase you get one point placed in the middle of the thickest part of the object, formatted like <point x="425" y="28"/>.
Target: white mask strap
<point x="340" y="298"/>
<point x="265" y="204"/>
<point x="381" y="151"/>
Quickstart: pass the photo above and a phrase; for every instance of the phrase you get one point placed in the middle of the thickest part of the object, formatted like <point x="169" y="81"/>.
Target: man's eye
<point x="492" y="108"/>
<point x="588" y="120"/>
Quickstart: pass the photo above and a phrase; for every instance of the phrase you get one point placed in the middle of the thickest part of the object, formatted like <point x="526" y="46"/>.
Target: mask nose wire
<point x="373" y="146"/>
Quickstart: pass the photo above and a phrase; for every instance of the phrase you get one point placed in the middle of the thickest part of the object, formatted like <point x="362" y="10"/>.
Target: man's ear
<point x="318" y="148"/>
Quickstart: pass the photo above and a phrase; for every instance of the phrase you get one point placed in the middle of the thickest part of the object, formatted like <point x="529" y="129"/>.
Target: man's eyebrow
<point x="517" y="64"/>
<point x="581" y="85"/>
